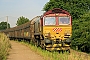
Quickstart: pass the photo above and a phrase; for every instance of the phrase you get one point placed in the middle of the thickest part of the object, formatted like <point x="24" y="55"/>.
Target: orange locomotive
<point x="51" y="31"/>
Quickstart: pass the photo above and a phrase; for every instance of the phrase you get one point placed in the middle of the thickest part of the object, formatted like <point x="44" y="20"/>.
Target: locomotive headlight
<point x="56" y="14"/>
<point x="47" y="34"/>
<point x="67" y="32"/>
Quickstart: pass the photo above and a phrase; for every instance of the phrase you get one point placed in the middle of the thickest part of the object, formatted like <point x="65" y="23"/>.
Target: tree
<point x="21" y="20"/>
<point x="75" y="7"/>
<point x="3" y="25"/>
<point x="81" y="33"/>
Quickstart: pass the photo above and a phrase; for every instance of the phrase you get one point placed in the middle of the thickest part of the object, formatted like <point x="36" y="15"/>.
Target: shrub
<point x="4" y="46"/>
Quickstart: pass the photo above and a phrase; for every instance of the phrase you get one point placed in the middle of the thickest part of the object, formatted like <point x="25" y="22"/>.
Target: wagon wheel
<point x="68" y="50"/>
<point x="37" y="43"/>
<point x="43" y="47"/>
<point x="43" y="44"/>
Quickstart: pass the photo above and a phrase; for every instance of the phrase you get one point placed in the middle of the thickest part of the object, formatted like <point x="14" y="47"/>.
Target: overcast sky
<point x="16" y="8"/>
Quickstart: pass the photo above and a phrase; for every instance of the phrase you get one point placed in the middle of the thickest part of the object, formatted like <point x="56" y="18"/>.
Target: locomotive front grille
<point x="57" y="39"/>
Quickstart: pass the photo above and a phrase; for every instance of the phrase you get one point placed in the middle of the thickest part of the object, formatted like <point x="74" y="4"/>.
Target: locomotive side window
<point x="49" y="21"/>
<point x="64" y="20"/>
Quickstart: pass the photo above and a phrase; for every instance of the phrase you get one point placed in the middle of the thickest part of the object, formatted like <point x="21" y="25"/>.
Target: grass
<point x="4" y="46"/>
<point x="74" y="55"/>
<point x="47" y="55"/>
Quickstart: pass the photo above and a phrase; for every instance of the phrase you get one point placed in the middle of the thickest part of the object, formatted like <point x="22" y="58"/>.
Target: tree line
<point x="21" y="20"/>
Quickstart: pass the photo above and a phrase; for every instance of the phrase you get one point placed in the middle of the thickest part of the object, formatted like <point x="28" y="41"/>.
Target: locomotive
<point x="51" y="31"/>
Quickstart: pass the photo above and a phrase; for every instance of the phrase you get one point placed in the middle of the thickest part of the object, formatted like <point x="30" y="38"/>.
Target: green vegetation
<point x="3" y="25"/>
<point x="80" y="11"/>
<point x="4" y="46"/>
<point x="74" y="7"/>
<point x="81" y="33"/>
<point x="21" y="20"/>
<point x="47" y="55"/>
